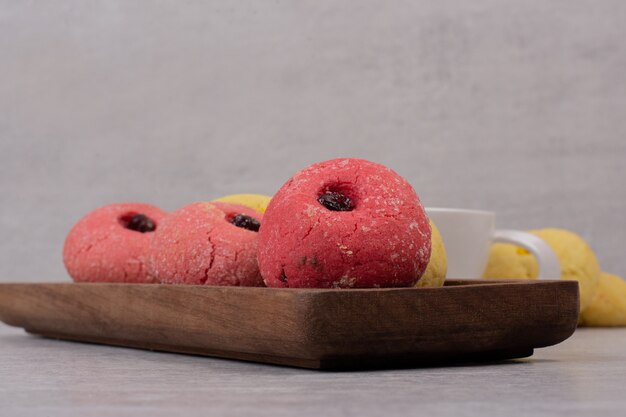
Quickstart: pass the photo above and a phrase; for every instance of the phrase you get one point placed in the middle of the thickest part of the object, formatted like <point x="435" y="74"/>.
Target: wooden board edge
<point x="158" y="347"/>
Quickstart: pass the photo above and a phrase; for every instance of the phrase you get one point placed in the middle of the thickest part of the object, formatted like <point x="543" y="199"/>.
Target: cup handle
<point x="549" y="267"/>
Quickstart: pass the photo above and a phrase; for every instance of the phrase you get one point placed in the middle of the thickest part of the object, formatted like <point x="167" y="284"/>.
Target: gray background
<point x="518" y="107"/>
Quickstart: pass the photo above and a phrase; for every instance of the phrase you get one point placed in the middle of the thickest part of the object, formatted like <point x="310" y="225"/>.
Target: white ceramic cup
<point x="468" y="234"/>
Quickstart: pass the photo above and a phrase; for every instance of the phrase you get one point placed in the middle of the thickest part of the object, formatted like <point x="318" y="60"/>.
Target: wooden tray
<point x="467" y="320"/>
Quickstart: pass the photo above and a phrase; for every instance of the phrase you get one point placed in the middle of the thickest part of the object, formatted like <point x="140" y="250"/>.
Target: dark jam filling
<point x="335" y="201"/>
<point x="246" y="222"/>
<point x="141" y="223"/>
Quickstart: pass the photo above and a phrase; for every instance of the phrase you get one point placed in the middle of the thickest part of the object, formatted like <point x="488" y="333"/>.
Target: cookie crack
<point x="308" y="232"/>
<point x="207" y="270"/>
<point x="236" y="264"/>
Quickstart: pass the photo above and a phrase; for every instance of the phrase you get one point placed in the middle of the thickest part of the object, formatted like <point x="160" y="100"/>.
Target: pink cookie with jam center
<point x="344" y="223"/>
<point x="111" y="243"/>
<point x="207" y="244"/>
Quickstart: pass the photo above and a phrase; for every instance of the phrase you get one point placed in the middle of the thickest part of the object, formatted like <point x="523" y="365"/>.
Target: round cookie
<point x="344" y="223"/>
<point x="508" y="261"/>
<point x="435" y="274"/>
<point x="577" y="260"/>
<point x="608" y="307"/>
<point x="111" y="243"/>
<point x="256" y="202"/>
<point x="207" y="244"/>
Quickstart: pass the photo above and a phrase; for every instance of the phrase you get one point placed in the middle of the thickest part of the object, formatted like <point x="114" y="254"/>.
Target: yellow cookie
<point x="435" y="273"/>
<point x="508" y="261"/>
<point x="608" y="307"/>
<point x="256" y="202"/>
<point x="577" y="260"/>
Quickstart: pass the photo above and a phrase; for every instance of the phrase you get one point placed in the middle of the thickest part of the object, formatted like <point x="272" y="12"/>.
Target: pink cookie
<point x="111" y="243"/>
<point x="344" y="223"/>
<point x="207" y="243"/>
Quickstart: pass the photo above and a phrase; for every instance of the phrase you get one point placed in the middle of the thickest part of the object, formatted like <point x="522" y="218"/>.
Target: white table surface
<point x="585" y="375"/>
